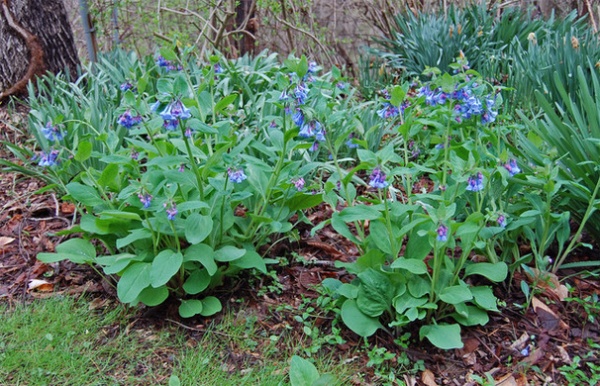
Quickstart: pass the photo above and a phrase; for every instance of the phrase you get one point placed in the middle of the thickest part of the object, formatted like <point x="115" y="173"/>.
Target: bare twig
<point x="309" y="34"/>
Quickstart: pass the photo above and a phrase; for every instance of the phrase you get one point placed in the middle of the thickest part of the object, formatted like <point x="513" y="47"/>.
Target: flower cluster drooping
<point x="467" y="104"/>
<point x="48" y="159"/>
<point x="171" y="210"/>
<point x="127" y="86"/>
<point x="128" y="120"/>
<point x="167" y="64"/>
<point x="512" y="167"/>
<point x="172" y="114"/>
<point x="52" y="132"/>
<point x="442" y="233"/>
<point x="501" y="220"/>
<point x="236" y="175"/>
<point x="377" y="179"/>
<point x="299" y="183"/>
<point x="475" y="183"/>
<point x="145" y="199"/>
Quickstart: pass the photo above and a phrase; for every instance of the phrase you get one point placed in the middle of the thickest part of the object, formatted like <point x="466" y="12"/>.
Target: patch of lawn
<point x="60" y="341"/>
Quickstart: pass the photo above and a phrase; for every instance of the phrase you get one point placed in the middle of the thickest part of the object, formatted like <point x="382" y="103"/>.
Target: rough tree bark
<point x="35" y="36"/>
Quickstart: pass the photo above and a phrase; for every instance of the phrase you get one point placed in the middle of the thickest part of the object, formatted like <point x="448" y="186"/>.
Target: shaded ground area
<point x="517" y="346"/>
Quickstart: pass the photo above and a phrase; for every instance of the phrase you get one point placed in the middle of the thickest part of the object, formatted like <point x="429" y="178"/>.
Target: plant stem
<point x="590" y="209"/>
<point x="192" y="160"/>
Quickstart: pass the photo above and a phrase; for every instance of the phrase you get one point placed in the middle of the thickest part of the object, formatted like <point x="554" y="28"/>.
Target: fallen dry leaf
<point x="549" y="320"/>
<point x="507" y="380"/>
<point x="564" y="355"/>
<point x="4" y="241"/>
<point x="520" y="343"/>
<point x="67" y="208"/>
<point x="428" y="378"/>
<point x="549" y="283"/>
<point x="40" y="285"/>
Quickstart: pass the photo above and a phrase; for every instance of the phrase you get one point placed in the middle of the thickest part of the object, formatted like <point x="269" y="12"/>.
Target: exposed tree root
<point x="37" y="64"/>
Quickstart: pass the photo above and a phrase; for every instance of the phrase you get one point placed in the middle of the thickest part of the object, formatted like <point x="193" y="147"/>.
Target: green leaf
<point x="84" y="151"/>
<point x="302" y="372"/>
<point x="84" y="194"/>
<point x="358" y="322"/>
<point x="174" y="381"/>
<point x="444" y="336"/>
<point x="116" y="263"/>
<point x="484" y="298"/>
<point x="134" y="235"/>
<point x="224" y="102"/>
<point x="418" y="267"/>
<point x="168" y="53"/>
<point x="135" y="278"/>
<point x="180" y="85"/>
<point x="418" y="246"/>
<point x="348" y="290"/>
<point x="229" y="253"/>
<point x="203" y="254"/>
<point x="121" y="215"/>
<point x="197" y="228"/>
<point x="397" y="95"/>
<point x="189" y="308"/>
<point x="154" y="296"/>
<point x="78" y="251"/>
<point x="375" y="293"/>
<point x="476" y="316"/>
<point x="302" y="201"/>
<point x="210" y="306"/>
<point x="495" y="272"/>
<point x="379" y="234"/>
<point x="360" y="212"/>
<point x="164" y="266"/>
<point x="455" y="294"/>
<point x="198" y="281"/>
<point x="251" y="259"/>
<point x="110" y="177"/>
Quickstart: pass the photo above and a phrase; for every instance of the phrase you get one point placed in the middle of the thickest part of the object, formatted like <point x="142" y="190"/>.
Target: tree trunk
<point x="246" y="21"/>
<point x="35" y="36"/>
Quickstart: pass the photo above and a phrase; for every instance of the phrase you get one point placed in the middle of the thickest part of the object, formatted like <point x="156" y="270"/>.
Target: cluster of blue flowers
<point x="145" y="199"/>
<point x="171" y="115"/>
<point x="512" y="167"/>
<point x="52" y="132"/>
<point x="236" y="175"/>
<point x="377" y="179"/>
<point x="171" y="210"/>
<point x="128" y="120"/>
<point x="47" y="159"/>
<point x="475" y="183"/>
<point x="299" y="95"/>
<point x="167" y="64"/>
<point x="127" y="86"/>
<point x="442" y="233"/>
<point x="467" y="104"/>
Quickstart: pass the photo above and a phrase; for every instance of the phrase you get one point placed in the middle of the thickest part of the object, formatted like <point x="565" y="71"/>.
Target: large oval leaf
<point x="358" y="322"/>
<point x="444" y="336"/>
<point x="189" y="308"/>
<point x="418" y="267"/>
<point x="210" y="306"/>
<point x="455" y="294"/>
<point x="197" y="228"/>
<point x="495" y="272"/>
<point x="164" y="266"/>
<point x="135" y="278"/>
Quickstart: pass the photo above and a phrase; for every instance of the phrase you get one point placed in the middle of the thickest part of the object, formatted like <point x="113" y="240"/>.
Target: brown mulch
<point x="517" y="346"/>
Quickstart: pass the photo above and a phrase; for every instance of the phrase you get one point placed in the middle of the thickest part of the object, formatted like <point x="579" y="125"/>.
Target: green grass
<point x="60" y="341"/>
